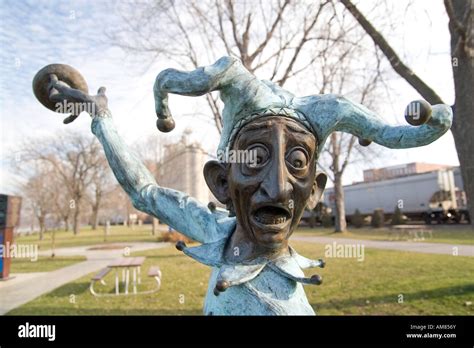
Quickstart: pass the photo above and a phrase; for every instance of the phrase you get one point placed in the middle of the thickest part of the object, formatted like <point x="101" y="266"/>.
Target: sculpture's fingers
<point x="54" y="89"/>
<point x="53" y="79"/>
<point x="70" y="119"/>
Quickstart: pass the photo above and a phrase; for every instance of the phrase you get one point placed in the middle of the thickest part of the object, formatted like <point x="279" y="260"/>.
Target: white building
<point x="182" y="169"/>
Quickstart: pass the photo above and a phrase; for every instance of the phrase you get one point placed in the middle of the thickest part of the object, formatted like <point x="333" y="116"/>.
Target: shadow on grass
<point x="68" y="289"/>
<point x="419" y="295"/>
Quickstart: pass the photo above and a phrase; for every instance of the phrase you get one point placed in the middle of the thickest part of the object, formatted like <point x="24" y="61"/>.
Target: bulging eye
<point x="257" y="156"/>
<point x="297" y="158"/>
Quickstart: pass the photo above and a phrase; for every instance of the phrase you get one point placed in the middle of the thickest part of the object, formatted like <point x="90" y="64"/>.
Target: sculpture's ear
<point x="317" y="190"/>
<point x="215" y="174"/>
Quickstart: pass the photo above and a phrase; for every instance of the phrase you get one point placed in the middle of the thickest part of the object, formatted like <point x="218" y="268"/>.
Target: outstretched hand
<point x="75" y="101"/>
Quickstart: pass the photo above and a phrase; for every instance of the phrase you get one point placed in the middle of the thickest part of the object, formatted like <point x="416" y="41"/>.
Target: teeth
<point x="270" y="220"/>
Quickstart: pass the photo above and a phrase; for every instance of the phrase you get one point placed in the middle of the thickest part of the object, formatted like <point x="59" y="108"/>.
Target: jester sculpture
<point x="254" y="269"/>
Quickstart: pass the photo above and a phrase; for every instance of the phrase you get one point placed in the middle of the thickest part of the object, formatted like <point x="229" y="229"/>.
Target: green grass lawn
<point x="120" y="234"/>
<point x="87" y="236"/>
<point x="429" y="284"/>
<point x="441" y="234"/>
<point x="43" y="263"/>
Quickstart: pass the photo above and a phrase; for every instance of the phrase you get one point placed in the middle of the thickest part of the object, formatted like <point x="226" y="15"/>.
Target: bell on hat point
<point x="418" y="112"/>
<point x="364" y="142"/>
<point x="165" y="125"/>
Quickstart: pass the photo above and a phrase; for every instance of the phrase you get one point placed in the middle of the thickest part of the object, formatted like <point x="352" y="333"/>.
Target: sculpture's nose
<point x="276" y="185"/>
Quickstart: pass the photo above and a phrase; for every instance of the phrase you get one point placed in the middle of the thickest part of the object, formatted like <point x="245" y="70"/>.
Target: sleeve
<point x="178" y="210"/>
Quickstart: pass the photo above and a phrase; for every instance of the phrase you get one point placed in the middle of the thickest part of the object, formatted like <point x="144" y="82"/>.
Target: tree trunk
<point x="95" y="209"/>
<point x="463" y="123"/>
<point x="41" y="226"/>
<point x="129" y="212"/>
<point x="75" y="223"/>
<point x="53" y="244"/>
<point x="95" y="216"/>
<point x="460" y="13"/>
<point x="66" y="223"/>
<point x="154" y="228"/>
<point x="340" y="222"/>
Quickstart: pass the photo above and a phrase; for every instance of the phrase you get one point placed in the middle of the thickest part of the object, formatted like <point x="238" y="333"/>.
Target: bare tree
<point x="460" y="15"/>
<point x="340" y="71"/>
<point x="279" y="39"/>
<point x="61" y="202"/>
<point x="39" y="192"/>
<point x="74" y="158"/>
<point x="113" y="205"/>
<point x="101" y="186"/>
<point x="151" y="151"/>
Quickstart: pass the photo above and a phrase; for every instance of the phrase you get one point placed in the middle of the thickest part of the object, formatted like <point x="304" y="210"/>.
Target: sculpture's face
<point x="269" y="196"/>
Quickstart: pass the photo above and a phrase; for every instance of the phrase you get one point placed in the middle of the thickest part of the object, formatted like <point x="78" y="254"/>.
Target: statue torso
<point x="267" y="294"/>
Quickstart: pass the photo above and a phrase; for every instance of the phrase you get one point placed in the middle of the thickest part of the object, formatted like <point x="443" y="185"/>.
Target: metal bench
<point x="414" y="232"/>
<point x="99" y="277"/>
<point x="154" y="272"/>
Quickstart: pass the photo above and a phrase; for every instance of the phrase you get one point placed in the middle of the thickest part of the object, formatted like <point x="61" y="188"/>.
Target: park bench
<point x="414" y="232"/>
<point x="155" y="272"/>
<point x="99" y="277"/>
<point x="125" y="264"/>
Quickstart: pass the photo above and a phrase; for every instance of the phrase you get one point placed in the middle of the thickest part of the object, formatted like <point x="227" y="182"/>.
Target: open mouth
<point x="271" y="215"/>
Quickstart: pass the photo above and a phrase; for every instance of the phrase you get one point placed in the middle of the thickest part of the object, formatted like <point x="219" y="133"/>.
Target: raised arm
<point x="183" y="213"/>
<point x="177" y="209"/>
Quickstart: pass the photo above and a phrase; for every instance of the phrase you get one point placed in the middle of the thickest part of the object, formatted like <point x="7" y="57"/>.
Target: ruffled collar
<point x="289" y="266"/>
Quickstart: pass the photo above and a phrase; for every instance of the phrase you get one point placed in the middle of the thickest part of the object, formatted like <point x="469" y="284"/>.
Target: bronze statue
<point x="254" y="270"/>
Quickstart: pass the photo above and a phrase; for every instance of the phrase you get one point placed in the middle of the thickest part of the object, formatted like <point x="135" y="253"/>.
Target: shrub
<point x="397" y="217"/>
<point x="174" y="237"/>
<point x="357" y="219"/>
<point x="378" y="218"/>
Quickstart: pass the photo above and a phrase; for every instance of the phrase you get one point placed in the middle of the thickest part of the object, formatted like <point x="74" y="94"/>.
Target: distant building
<point x="401" y="170"/>
<point x="414" y="187"/>
<point x="182" y="169"/>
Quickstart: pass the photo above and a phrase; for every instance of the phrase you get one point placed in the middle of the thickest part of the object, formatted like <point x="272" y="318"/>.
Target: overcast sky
<point x="36" y="33"/>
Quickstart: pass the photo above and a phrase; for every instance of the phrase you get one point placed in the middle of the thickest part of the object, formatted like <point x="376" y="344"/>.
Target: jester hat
<point x="247" y="98"/>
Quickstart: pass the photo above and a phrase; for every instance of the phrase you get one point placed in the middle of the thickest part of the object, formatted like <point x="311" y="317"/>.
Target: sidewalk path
<point x="28" y="286"/>
<point x="418" y="247"/>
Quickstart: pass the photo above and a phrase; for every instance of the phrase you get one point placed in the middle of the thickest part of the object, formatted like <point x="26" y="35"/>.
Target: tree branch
<point x="269" y="33"/>
<point x="348" y="153"/>
<point x="457" y="25"/>
<point x="235" y="31"/>
<point x="404" y="71"/>
<point x="302" y="42"/>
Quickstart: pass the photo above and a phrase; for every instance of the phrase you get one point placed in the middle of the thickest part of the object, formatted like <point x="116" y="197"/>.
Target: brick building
<point x="400" y="170"/>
